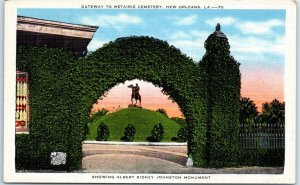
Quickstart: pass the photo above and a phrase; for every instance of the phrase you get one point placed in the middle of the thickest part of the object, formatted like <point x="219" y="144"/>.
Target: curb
<point x="135" y="143"/>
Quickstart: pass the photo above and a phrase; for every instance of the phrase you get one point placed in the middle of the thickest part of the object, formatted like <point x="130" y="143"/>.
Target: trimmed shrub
<point x="103" y="132"/>
<point x="182" y="135"/>
<point x="157" y="133"/>
<point x="129" y="132"/>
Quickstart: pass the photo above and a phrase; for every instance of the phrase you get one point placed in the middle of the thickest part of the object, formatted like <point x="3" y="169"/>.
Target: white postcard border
<point x="10" y="174"/>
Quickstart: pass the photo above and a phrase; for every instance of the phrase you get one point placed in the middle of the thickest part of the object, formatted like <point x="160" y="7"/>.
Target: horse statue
<point x="135" y="94"/>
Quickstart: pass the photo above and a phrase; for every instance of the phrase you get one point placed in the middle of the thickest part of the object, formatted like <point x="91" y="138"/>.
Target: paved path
<point x="150" y="159"/>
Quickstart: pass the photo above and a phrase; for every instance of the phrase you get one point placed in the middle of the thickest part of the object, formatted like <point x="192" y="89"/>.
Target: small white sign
<point x="58" y="158"/>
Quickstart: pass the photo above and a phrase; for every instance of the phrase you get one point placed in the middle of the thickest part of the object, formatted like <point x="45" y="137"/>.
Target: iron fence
<point x="259" y="135"/>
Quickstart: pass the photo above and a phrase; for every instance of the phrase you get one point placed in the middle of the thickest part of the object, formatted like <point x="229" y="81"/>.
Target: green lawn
<point x="142" y="119"/>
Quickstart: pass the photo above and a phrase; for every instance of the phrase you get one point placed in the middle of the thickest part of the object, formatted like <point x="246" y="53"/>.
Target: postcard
<point x="150" y="91"/>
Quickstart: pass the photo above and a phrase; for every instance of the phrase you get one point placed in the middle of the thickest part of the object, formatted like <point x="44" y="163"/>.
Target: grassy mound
<point x="142" y="119"/>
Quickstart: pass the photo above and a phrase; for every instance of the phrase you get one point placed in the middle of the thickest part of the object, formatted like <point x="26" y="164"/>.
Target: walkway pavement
<point x="152" y="159"/>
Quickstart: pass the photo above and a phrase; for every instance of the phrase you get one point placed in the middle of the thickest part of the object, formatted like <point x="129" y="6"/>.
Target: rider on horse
<point x="135" y="93"/>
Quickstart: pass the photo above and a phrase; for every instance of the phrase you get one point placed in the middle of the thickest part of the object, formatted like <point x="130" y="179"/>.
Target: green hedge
<point x="23" y="152"/>
<point x="55" y="125"/>
<point x="223" y="93"/>
<point x="261" y="157"/>
<point x="63" y="89"/>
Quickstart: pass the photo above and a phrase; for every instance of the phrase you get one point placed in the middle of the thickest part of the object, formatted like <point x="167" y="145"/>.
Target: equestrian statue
<point x="135" y="94"/>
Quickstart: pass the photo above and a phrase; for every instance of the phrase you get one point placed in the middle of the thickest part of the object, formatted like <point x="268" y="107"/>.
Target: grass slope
<point x="142" y="119"/>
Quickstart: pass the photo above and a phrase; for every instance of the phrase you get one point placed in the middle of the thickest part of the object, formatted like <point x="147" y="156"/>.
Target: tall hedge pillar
<point x="223" y="91"/>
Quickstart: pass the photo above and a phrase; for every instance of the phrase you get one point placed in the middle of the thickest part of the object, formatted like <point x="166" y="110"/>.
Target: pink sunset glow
<point x="152" y="98"/>
<point x="262" y="85"/>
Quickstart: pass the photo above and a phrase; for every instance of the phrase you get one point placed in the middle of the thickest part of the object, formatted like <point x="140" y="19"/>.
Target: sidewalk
<point x="152" y="159"/>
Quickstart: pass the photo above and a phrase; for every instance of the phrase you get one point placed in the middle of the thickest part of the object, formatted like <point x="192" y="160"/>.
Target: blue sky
<point x="256" y="37"/>
<point x="259" y="32"/>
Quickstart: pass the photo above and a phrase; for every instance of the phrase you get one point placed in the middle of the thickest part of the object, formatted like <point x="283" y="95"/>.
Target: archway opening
<point x="117" y="110"/>
<point x="153" y="98"/>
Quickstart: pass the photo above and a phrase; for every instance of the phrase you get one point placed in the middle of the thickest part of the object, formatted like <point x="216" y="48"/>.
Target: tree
<point x="162" y="111"/>
<point x="103" y="132"/>
<point x="273" y="113"/>
<point x="248" y="111"/>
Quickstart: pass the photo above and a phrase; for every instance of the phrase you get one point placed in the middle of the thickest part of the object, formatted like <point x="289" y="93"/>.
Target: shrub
<point x="180" y="121"/>
<point x="156" y="133"/>
<point x="129" y="132"/>
<point x="175" y="139"/>
<point x="103" y="132"/>
<point x="98" y="114"/>
<point x="261" y="157"/>
<point x="182" y="134"/>
<point x="162" y="111"/>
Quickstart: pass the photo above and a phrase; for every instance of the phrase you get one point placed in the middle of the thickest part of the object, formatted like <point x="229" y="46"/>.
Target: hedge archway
<point x="154" y="61"/>
<point x="70" y="86"/>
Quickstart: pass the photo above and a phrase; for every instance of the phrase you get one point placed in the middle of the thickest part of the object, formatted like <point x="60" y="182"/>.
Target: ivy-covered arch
<point x="63" y="89"/>
<point x="155" y="61"/>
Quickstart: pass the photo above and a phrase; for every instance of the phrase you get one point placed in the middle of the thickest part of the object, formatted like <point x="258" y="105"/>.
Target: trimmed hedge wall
<point x="63" y="89"/>
<point x="223" y="75"/>
<point x="52" y="106"/>
<point x="155" y="61"/>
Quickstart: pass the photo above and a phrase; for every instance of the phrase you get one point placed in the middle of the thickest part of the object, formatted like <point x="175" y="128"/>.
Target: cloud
<point x="180" y="35"/>
<point x="185" y="21"/>
<point x="259" y="28"/>
<point x="243" y="48"/>
<point x="257" y="45"/>
<point x="190" y="42"/>
<point x="115" y="21"/>
<point x="95" y="44"/>
<point x="248" y="27"/>
<point x="224" y="21"/>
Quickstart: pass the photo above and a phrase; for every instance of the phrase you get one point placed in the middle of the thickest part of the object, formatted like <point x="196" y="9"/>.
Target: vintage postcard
<point x="150" y="91"/>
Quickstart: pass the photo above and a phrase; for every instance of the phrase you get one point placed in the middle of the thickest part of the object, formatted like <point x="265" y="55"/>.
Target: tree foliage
<point x="248" y="111"/>
<point x="162" y="111"/>
<point x="273" y="113"/>
<point x="98" y="114"/>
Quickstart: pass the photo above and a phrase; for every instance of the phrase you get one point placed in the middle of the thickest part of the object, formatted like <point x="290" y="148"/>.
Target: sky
<point x="256" y="37"/>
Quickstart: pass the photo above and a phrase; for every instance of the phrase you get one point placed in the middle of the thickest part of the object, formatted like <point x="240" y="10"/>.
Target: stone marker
<point x="189" y="162"/>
